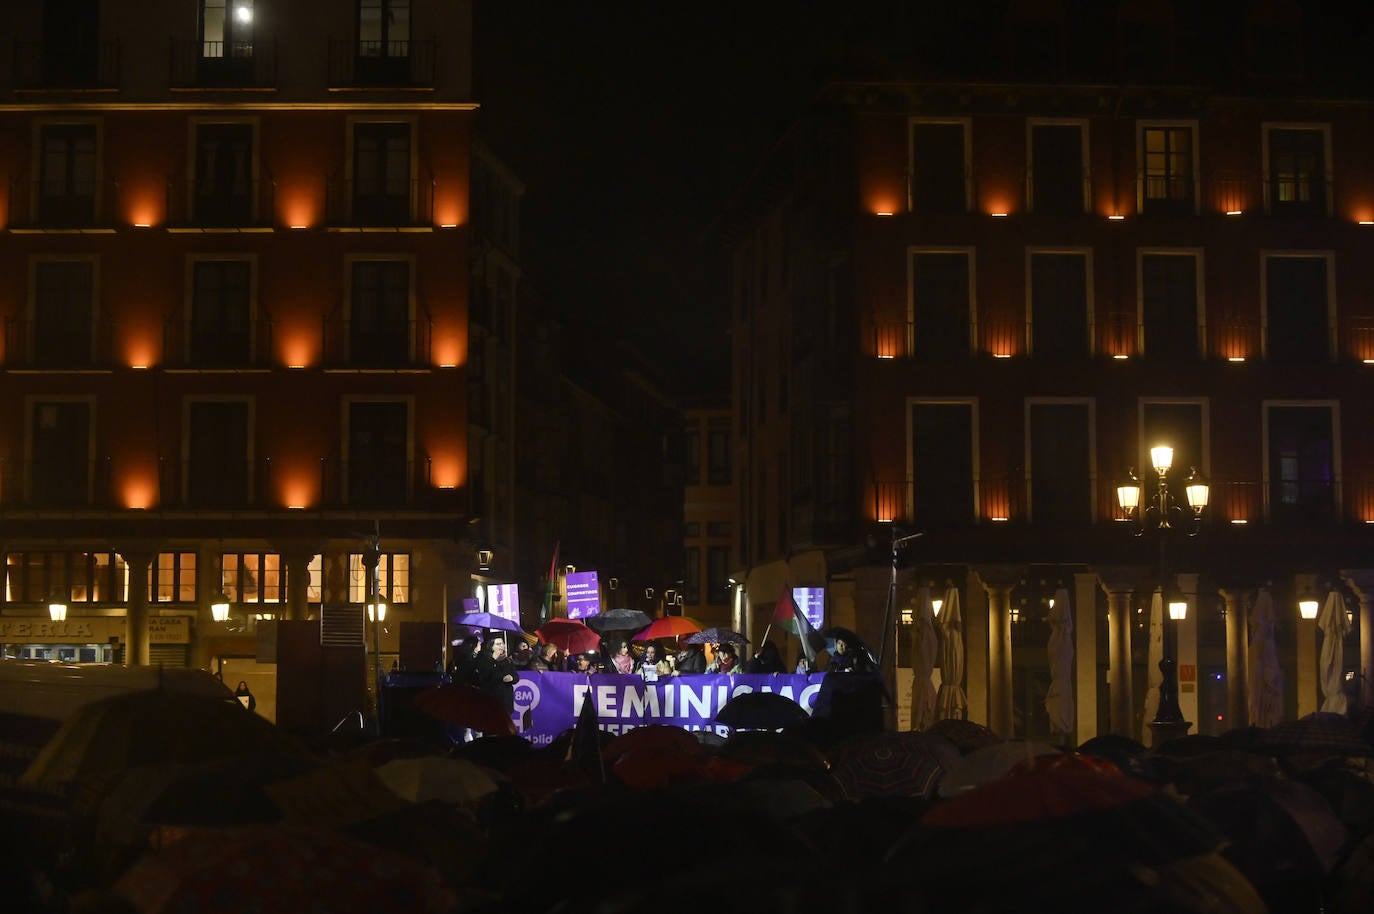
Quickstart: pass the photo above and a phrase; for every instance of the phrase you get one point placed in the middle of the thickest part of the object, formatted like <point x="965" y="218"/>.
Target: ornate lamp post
<point x="1163" y="513"/>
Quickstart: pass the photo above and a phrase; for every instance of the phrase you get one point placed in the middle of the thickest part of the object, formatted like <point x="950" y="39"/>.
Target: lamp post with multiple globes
<point x="1163" y="514"/>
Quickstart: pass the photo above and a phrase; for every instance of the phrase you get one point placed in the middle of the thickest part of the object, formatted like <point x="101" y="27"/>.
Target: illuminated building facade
<point x="966" y="306"/>
<point x="234" y="280"/>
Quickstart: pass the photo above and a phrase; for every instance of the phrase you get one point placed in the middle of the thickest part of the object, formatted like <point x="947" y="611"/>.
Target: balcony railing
<point x="224" y="65"/>
<point x="380" y="203"/>
<point x="381" y="64"/>
<point x="199" y="203"/>
<point x="223" y="345"/>
<point x="34" y="345"/>
<point x="377" y="344"/>
<point x="1233" y="501"/>
<point x="56" y="481"/>
<point x="38" y="65"/>
<point x="73" y="205"/>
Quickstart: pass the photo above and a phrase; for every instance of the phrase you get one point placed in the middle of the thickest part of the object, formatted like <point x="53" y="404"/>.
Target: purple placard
<point x="547" y="704"/>
<point x="472" y="605"/>
<point x="504" y="600"/>
<point x="811" y="601"/>
<point x="584" y="599"/>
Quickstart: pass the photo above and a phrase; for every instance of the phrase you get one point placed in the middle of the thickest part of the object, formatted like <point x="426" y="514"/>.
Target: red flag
<point x="546" y="611"/>
<point x="783" y="610"/>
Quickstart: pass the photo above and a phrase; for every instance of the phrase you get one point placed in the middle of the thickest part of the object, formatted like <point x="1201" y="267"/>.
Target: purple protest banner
<point x="584" y="597"/>
<point x="547" y="704"/>
<point x="504" y="600"/>
<point x="811" y="601"/>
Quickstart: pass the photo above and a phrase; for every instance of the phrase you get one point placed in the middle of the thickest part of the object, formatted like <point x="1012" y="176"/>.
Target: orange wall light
<point x="450" y="208"/>
<point x="298" y="491"/>
<point x="145" y="209"/>
<point x="139" y="492"/>
<point x="450" y="347"/>
<point x="140" y="353"/>
<point x="299" y="348"/>
<point x="298" y="205"/>
<point x="446" y="471"/>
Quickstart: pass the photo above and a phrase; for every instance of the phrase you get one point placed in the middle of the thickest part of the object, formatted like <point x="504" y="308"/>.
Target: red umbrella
<point x="570" y="636"/>
<point x="668" y="627"/>
<point x="466" y="706"/>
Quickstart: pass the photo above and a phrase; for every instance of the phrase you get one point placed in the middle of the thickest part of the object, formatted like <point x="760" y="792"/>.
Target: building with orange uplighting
<point x="234" y="281"/>
<point x="965" y="307"/>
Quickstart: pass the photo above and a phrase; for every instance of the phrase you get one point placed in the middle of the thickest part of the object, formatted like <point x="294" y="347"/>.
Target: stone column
<point x="976" y="650"/>
<point x="1237" y="657"/>
<point x="297" y="585"/>
<point x="1119" y="585"/>
<point x="998" y="581"/>
<point x="1185" y="644"/>
<point x="1305" y="641"/>
<point x="1085" y="653"/>
<point x="1361" y="580"/>
<point x="136" y="618"/>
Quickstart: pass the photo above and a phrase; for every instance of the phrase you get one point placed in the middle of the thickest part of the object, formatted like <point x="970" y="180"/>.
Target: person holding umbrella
<point x="496" y="673"/>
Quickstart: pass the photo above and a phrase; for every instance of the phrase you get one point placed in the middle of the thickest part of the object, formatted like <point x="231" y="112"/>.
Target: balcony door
<point x="942" y="461"/>
<point x="381" y="174"/>
<point x="217" y="445"/>
<point x="63" y="313"/>
<point x="378" y="453"/>
<point x="379" y="313"/>
<point x="60" y="453"/>
<point x="1061" y="465"/>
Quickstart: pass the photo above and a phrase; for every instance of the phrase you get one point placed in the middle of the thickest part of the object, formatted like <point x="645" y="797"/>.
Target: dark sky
<point x="631" y="124"/>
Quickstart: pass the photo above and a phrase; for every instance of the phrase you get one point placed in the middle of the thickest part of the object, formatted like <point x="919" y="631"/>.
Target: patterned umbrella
<point x="570" y="635"/>
<point x="281" y="869"/>
<point x="891" y="764"/>
<point x="668" y="627"/>
<point x="717" y="636"/>
<point x="1316" y="734"/>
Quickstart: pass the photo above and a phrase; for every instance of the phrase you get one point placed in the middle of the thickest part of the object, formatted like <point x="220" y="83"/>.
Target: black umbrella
<point x="760" y="711"/>
<point x="620" y="620"/>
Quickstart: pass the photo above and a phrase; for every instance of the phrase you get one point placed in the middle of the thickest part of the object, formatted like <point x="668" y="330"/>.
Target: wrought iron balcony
<point x="68" y="205"/>
<point x="223" y="344"/>
<point x="378" y="343"/>
<point x="201" y="203"/>
<point x="380" y="203"/>
<point x="53" y="481"/>
<point x="40" y="65"/>
<point x="381" y="64"/>
<point x="39" y="345"/>
<point x="224" y="64"/>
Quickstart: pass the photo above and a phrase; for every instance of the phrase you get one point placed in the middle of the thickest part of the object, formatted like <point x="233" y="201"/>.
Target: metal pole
<point x="371" y="559"/>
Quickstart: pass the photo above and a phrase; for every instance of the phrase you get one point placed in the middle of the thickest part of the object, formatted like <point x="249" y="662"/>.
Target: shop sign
<point x="47" y="631"/>
<point x="169" y="630"/>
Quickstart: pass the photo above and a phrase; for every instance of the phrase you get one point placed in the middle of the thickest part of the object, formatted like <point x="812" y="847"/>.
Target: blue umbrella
<point x="487" y="621"/>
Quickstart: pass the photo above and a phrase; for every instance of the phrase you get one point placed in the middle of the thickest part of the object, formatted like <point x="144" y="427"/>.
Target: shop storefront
<point x="88" y="639"/>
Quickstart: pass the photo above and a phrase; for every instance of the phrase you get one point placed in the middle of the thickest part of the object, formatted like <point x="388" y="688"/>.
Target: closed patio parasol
<point x="950" y="701"/>
<point x="925" y="647"/>
<point x="1334" y="625"/>
<point x="1266" y="678"/>
<point x="1059" y="701"/>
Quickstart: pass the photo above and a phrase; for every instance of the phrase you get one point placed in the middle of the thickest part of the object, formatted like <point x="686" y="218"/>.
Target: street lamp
<point x="219" y="606"/>
<point x="1163" y="513"/>
<point x="57" y="610"/>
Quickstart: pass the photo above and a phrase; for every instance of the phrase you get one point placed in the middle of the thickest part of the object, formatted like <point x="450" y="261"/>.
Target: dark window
<point x="60" y="453"/>
<point x="1059" y="304"/>
<point x="718" y="457"/>
<point x="67" y="174"/>
<point x="717" y="575"/>
<point x="217" y="453"/>
<point x="691" y="575"/>
<point x="942" y="465"/>
<point x="719" y="528"/>
<point x="1057" y="169"/>
<point x="63" y="313"/>
<point x="1179" y="425"/>
<point x="379" y="322"/>
<point x="384" y="40"/>
<point x="1301" y="469"/>
<point x="1167" y="169"/>
<point x="693" y="456"/>
<point x="220" y="313"/>
<point x="1295" y="309"/>
<point x="226" y="40"/>
<point x="691" y="529"/>
<point x="224" y="174"/>
<point x="1061" y="465"/>
<point x="1168" y="292"/>
<point x="71" y="42"/>
<point x="381" y="174"/>
<point x="1297" y="172"/>
<point x="940" y="304"/>
<point x="938" y="181"/>
<point x="378" y="458"/>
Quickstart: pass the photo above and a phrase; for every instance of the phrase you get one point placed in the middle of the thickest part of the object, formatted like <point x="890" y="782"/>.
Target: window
<point x="63" y="313"/>
<point x="173" y="579"/>
<point x="1296" y="183"/>
<point x="1058" y="178"/>
<point x="942" y="461"/>
<point x="393" y="577"/>
<point x="67" y="175"/>
<point x="719" y="528"/>
<point x="1297" y="307"/>
<point x="221" y="309"/>
<point x="1180" y="425"/>
<point x="692" y="456"/>
<point x="378" y="453"/>
<point x="939" y="169"/>
<point x="1167" y="169"/>
<point x="379" y="327"/>
<point x="1301" y="462"/>
<point x="253" y="577"/>
<point x="383" y="29"/>
<point x="691" y="529"/>
<point x="71" y="42"/>
<point x="224" y="175"/>
<point x="226" y="40"/>
<point x="217" y="452"/>
<point x="717" y="575"/>
<point x="718" y="454"/>
<point x="1059" y="305"/>
<point x="381" y="174"/>
<point x="691" y="575"/>
<point x="1061" y="463"/>
<point x="77" y="577"/>
<point x="1169" y="304"/>
<point x="60" y="457"/>
<point x="941" y="307"/>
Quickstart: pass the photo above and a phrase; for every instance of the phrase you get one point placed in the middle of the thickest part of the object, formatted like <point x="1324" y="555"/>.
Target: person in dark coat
<point x="767" y="660"/>
<point x="690" y="660"/>
<point x="496" y="673"/>
<point x="463" y="669"/>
